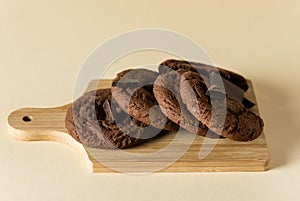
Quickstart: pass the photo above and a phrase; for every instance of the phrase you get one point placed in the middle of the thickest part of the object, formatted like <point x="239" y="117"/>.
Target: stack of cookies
<point x="141" y="105"/>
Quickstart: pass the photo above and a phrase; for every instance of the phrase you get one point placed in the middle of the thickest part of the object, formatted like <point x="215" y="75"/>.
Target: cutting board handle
<point x="37" y="123"/>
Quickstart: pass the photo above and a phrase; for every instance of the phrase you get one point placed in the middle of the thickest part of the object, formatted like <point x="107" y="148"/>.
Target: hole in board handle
<point x="27" y="118"/>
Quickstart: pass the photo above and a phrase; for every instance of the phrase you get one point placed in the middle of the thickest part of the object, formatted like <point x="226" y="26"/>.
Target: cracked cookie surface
<point x="133" y="91"/>
<point x="231" y="118"/>
<point x="91" y="120"/>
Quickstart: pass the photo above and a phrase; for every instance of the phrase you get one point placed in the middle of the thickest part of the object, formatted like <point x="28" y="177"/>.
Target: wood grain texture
<point x="47" y="124"/>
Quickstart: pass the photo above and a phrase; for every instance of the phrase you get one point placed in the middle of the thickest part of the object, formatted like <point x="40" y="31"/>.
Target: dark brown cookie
<point x="133" y="91"/>
<point x="166" y="91"/>
<point x="205" y="71"/>
<point x="93" y="121"/>
<point x="238" y="122"/>
<point x="69" y="124"/>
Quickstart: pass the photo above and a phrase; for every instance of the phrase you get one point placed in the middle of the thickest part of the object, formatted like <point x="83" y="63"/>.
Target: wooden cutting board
<point x="47" y="124"/>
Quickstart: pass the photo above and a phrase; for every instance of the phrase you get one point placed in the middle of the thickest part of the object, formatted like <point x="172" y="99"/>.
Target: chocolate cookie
<point x="166" y="91"/>
<point x="238" y="122"/>
<point x="92" y="121"/>
<point x="133" y="91"/>
<point x="69" y="124"/>
<point x="205" y="71"/>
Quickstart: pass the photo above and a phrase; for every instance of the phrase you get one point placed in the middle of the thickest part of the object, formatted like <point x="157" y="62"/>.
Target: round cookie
<point x="205" y="70"/>
<point x="91" y="121"/>
<point x="133" y="91"/>
<point x="166" y="91"/>
<point x="239" y="123"/>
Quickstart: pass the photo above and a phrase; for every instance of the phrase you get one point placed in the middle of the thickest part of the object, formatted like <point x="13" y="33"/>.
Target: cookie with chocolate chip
<point x="95" y="122"/>
<point x="217" y="111"/>
<point x="133" y="91"/>
<point x="167" y="93"/>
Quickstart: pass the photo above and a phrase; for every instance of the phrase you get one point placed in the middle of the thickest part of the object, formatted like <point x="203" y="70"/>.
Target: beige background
<point x="43" y="43"/>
